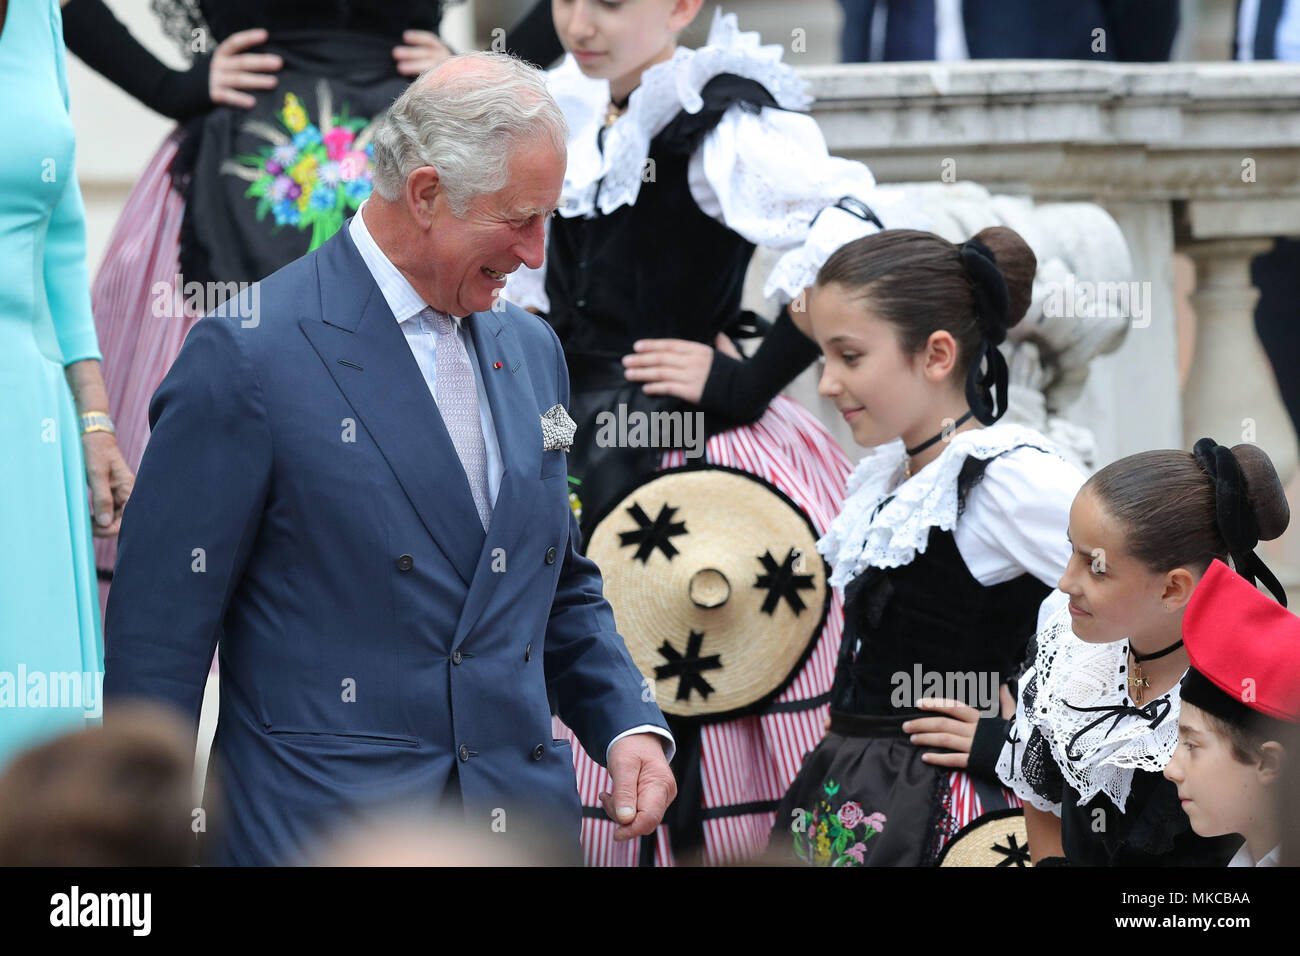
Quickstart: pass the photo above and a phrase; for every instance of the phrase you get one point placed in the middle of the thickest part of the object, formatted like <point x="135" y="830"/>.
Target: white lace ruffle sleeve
<point x="886" y="522"/>
<point x="769" y="177"/>
<point x="604" y="180"/>
<point x="1016" y="518"/>
<point x="1075" y="716"/>
<point x="765" y="175"/>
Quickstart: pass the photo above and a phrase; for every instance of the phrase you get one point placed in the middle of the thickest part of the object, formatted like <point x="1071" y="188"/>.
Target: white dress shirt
<point x="1243" y="857"/>
<point x="422" y="336"/>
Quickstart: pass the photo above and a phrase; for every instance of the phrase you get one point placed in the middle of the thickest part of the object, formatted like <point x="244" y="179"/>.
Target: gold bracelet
<point x="97" y="422"/>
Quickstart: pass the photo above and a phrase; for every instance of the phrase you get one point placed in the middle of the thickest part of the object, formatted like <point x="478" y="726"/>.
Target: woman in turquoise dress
<point x="51" y="649"/>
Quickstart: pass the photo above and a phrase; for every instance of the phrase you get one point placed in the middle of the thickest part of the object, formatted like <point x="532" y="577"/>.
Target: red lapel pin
<point x="496" y="364"/>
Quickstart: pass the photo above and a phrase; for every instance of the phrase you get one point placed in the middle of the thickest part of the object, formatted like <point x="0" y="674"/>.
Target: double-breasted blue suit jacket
<point x="301" y="500"/>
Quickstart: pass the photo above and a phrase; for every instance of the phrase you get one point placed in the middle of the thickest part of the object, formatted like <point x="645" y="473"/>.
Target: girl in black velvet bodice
<point x="950" y="537"/>
<point x="931" y="616"/>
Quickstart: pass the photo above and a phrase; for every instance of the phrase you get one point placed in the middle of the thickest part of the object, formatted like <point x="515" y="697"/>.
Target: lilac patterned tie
<point x="458" y="403"/>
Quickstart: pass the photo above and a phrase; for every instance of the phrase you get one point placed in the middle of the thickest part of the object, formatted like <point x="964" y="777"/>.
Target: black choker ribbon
<point x="988" y="378"/>
<point x="1143" y="658"/>
<point x="946" y="431"/>
<point x="1236" y="518"/>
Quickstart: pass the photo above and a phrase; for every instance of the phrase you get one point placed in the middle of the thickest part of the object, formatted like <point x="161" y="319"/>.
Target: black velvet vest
<point x="932" y="615"/>
<point x="660" y="268"/>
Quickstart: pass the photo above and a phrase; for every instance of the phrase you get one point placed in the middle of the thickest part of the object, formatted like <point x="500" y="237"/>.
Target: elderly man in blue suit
<point x="361" y="490"/>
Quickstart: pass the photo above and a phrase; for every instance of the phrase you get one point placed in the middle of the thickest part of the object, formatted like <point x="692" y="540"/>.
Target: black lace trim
<point x="179" y="20"/>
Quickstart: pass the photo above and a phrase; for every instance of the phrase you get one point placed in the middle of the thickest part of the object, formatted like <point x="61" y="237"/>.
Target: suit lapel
<point x="518" y="427"/>
<point x="365" y="351"/>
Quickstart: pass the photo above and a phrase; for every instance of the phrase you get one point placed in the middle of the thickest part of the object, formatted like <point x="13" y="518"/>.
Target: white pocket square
<point x="558" y="429"/>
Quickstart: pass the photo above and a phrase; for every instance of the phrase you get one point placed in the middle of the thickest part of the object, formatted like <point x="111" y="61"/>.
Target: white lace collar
<point x="861" y="537"/>
<point x="666" y="89"/>
<point x="1111" y="741"/>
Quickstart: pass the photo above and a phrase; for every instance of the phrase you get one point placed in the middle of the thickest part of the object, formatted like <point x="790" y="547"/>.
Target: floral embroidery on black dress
<point x="826" y="837"/>
<point x="313" y="176"/>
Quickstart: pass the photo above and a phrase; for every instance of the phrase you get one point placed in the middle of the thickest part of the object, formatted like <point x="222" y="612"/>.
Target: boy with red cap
<point x="1241" y="697"/>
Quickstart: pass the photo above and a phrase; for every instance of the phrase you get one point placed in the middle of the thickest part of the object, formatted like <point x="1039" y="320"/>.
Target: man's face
<point x="464" y="261"/>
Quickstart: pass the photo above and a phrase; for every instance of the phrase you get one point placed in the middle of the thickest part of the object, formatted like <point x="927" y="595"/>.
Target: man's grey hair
<point x="465" y="123"/>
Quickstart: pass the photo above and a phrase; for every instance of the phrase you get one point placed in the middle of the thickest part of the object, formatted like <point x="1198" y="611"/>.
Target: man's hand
<point x="643" y="786"/>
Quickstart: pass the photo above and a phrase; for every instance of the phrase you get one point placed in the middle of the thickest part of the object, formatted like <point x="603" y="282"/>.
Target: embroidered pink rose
<point x="876" y="821"/>
<point x="353" y="164"/>
<point x="856" y="851"/>
<point x="850" y="815"/>
<point x="338" y="140"/>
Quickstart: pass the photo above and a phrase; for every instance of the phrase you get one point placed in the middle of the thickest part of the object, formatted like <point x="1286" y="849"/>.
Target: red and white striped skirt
<point x="132" y="298"/>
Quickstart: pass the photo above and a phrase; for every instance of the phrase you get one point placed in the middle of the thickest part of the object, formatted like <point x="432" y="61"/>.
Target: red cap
<point x="1244" y="643"/>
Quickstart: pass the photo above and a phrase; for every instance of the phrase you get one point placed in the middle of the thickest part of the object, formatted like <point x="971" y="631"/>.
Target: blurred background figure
<point x="406" y="837"/>
<point x="117" y="795"/>
<point x="907" y="30"/>
<point x="1130" y="30"/>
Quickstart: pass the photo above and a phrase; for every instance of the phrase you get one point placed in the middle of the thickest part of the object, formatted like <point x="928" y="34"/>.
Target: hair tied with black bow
<point x="1238" y="524"/>
<point x="987" y="379"/>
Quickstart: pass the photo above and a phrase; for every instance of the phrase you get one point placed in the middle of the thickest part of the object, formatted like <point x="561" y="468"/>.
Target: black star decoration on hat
<point x="653" y="534"/>
<point x="688" y="668"/>
<point x="781" y="582"/>
<point x="1016" y="855"/>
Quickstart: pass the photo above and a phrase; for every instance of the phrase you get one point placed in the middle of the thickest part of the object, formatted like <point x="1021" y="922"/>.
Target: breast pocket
<point x="554" y="464"/>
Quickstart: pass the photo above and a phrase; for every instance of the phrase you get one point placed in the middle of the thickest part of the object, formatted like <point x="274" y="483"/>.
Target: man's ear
<point x="423" y="193"/>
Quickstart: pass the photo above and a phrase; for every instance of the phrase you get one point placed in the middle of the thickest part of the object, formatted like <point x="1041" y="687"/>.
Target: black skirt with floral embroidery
<point x="863" y="797"/>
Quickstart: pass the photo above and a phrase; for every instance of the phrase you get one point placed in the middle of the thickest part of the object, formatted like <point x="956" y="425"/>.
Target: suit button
<point x="539" y="752"/>
<point x="550" y="555"/>
<point x="457" y="657"/>
<point x="405" y="563"/>
<point x="463" y="754"/>
<point x="581" y="303"/>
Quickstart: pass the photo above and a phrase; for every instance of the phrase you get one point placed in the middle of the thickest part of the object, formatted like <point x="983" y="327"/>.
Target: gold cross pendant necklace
<point x="1139" y="682"/>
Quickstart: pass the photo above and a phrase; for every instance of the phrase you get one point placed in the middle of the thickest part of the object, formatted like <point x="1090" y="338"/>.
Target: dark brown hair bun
<point x="1017" y="263"/>
<point x="1263" y="490"/>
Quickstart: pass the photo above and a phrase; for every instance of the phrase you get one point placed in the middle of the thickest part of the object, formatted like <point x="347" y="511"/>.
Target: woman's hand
<point x="675" y="366"/>
<point x="233" y="70"/>
<point x="423" y="52"/>
<point x="954" y="731"/>
<point x="951" y="732"/>
<point x="109" y="478"/>
<point x="110" y="482"/>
